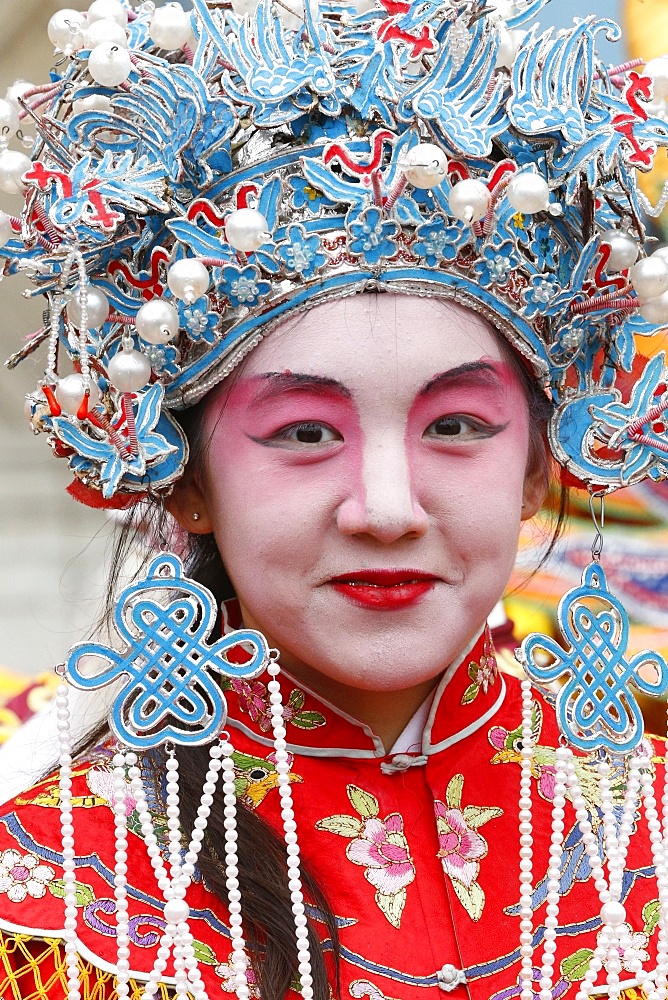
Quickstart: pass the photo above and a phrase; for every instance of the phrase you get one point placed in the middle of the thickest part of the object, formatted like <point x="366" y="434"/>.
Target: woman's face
<point x="365" y="481"/>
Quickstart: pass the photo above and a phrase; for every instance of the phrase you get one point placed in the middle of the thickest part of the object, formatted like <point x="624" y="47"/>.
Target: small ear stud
<point x="195" y="515"/>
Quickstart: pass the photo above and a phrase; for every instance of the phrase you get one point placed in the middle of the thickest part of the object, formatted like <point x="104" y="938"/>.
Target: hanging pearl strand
<point x="526" y="845"/>
<point x="177" y="934"/>
<point x="239" y="958"/>
<point x="290" y="830"/>
<point x="67" y="830"/>
<point x="554" y="874"/>
<point x="119" y="802"/>
<point x="656" y="836"/>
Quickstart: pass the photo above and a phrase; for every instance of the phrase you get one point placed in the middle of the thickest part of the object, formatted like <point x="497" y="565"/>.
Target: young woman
<point x="397" y="333"/>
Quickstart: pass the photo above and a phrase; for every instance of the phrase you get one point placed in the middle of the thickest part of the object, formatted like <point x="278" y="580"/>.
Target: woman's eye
<point x="456" y="427"/>
<point x="308" y="433"/>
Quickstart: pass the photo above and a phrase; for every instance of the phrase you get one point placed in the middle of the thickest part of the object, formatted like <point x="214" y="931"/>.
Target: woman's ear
<point x="534" y="493"/>
<point x="187" y="505"/>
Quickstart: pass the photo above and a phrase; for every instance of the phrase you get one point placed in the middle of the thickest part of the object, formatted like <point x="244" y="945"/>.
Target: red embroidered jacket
<point x="417" y="853"/>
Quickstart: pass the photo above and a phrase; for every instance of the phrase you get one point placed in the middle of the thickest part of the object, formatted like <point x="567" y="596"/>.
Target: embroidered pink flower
<point x="226" y="973"/>
<point x="459" y="847"/>
<point x="254" y="700"/>
<point x="379" y="846"/>
<point x="23" y="875"/>
<point x="383" y="850"/>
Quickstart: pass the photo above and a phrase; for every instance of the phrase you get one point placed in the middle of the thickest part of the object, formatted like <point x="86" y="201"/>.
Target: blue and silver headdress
<point x="197" y="176"/>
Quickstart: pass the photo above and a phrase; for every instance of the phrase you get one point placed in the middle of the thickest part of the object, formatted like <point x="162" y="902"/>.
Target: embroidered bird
<point x="256" y="776"/>
<point x="508" y="744"/>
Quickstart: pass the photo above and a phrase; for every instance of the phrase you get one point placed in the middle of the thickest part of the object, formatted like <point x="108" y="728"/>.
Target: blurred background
<point x="53" y="550"/>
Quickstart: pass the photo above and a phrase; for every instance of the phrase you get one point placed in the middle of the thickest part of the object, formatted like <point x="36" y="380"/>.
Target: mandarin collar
<point x="468" y="695"/>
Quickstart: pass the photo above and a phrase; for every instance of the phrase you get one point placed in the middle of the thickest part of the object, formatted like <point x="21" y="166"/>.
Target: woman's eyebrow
<point x="470" y="374"/>
<point x="278" y="383"/>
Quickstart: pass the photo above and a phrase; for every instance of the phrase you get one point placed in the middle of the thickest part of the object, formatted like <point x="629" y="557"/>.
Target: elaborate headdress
<point x="196" y="178"/>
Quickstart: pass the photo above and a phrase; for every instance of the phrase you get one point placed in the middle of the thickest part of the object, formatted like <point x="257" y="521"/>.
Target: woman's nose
<point x="382" y="501"/>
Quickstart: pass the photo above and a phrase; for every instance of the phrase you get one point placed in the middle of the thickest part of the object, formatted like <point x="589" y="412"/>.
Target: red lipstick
<point x="384" y="589"/>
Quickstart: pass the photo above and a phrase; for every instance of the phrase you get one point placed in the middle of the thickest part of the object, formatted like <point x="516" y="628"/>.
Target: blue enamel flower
<point x="199" y="323"/>
<point x="496" y="264"/>
<point x="437" y="241"/>
<point x="373" y="234"/>
<point x="242" y="285"/>
<point x="300" y="252"/>
<point x="305" y="196"/>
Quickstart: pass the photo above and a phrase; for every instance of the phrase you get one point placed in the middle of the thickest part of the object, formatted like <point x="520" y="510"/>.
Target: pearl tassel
<point x="120" y="876"/>
<point x="67" y="831"/>
<point x="526" y="847"/>
<point x="290" y="830"/>
<point x="176" y="936"/>
<point x="239" y="958"/>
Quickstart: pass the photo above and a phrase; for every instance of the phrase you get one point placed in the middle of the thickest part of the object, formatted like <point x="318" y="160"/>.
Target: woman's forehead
<point x="376" y="334"/>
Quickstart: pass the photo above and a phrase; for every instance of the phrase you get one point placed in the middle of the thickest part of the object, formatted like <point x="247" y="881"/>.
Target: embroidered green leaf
<point x="240" y="786"/>
<point x="83" y="893"/>
<point x="392" y="905"/>
<point x="308" y="720"/>
<point x="296" y="699"/>
<point x="453" y="793"/>
<point x="470" y="694"/>
<point x="473" y="670"/>
<point x="363" y="802"/>
<point x="471" y="897"/>
<point x="574" y="968"/>
<point x="205" y="954"/>
<point x="344" y="826"/>
<point x="477" y="816"/>
<point x="650" y="914"/>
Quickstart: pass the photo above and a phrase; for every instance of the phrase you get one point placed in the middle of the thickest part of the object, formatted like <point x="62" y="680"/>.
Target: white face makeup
<point x="364" y="480"/>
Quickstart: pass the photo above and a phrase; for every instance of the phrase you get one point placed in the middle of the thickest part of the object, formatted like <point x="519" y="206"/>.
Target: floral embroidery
<point x="360" y="988"/>
<point x="22" y="875"/>
<point x="254" y="699"/>
<point x="380" y="846"/>
<point x="226" y="972"/>
<point x="482" y="675"/>
<point x="461" y="847"/>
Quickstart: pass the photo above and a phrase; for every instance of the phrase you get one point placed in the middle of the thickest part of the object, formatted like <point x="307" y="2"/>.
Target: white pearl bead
<point x="649" y="277"/>
<point x="70" y="392"/>
<point x="96" y="102"/>
<point x="469" y="200"/>
<point x="613" y="913"/>
<point x="105" y="30"/>
<point x="157" y="322"/>
<point x="6" y="231"/>
<point x="657" y="69"/>
<point x="528" y="193"/>
<point x="425" y="165"/>
<point x="176" y="911"/>
<point x="19" y="88"/>
<point x="655" y="310"/>
<point x="509" y="43"/>
<point x="98" y="308"/>
<point x="623" y="249"/>
<point x="65" y="29"/>
<point x="170" y="27"/>
<point x="188" y="279"/>
<point x="109" y="64"/>
<point x="129" y="370"/>
<point x="102" y="9"/>
<point x="13" y="165"/>
<point x="246" y="229"/>
<point x="9" y="120"/>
